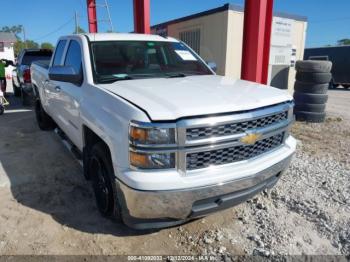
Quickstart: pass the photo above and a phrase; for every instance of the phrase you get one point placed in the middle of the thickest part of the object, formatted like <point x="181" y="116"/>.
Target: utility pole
<point x="76" y="22"/>
<point x="24" y="37"/>
<point x="109" y="16"/>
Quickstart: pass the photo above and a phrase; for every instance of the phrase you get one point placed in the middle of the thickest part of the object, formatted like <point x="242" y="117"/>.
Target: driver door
<point x="70" y="96"/>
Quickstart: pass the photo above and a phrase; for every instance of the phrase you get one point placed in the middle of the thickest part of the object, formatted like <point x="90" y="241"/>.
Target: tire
<point x="312" y="117"/>
<point x="308" y="98"/>
<point x="313" y="66"/>
<point x="16" y="89"/>
<point x="310" y="88"/>
<point x="2" y="109"/>
<point x="314" y="108"/>
<point x="26" y="99"/>
<point x="315" y="78"/>
<point x="44" y="121"/>
<point x="103" y="183"/>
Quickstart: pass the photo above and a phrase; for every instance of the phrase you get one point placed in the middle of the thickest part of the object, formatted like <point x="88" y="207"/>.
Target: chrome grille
<point x="234" y="128"/>
<point x="232" y="154"/>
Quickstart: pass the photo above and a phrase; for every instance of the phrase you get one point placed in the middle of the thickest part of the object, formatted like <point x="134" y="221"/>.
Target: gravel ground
<point x="47" y="208"/>
<point x="308" y="212"/>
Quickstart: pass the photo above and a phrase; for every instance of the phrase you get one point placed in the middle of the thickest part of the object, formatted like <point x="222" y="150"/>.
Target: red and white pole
<point x="258" y="16"/>
<point x="142" y="16"/>
<point x="92" y="17"/>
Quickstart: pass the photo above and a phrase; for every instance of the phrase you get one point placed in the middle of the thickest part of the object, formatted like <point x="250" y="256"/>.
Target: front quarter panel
<point x="108" y="116"/>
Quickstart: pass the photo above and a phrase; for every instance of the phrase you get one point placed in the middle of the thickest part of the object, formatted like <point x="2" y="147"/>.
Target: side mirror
<point x="65" y="74"/>
<point x="212" y="66"/>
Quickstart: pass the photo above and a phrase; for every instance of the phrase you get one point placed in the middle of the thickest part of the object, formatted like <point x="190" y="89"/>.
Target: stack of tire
<point x="310" y="90"/>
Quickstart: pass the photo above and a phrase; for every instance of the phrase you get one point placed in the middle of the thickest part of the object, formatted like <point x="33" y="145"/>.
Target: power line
<point x="56" y="30"/>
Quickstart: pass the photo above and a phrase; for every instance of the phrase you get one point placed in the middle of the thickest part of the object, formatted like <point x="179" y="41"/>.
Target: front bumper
<point x="157" y="209"/>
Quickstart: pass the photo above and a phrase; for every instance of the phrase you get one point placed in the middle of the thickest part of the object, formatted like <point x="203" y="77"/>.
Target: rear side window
<point x="59" y="52"/>
<point x="73" y="57"/>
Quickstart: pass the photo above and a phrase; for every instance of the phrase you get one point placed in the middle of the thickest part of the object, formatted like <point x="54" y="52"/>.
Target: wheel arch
<point x="90" y="138"/>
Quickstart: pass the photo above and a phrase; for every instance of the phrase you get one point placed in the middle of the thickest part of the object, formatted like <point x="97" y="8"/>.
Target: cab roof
<point x="128" y="37"/>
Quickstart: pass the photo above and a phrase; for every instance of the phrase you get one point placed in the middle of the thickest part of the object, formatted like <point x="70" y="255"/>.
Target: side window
<point x="73" y="57"/>
<point x="59" y="52"/>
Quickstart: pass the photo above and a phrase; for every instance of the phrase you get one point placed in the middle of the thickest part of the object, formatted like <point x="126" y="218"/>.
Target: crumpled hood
<point x="173" y="98"/>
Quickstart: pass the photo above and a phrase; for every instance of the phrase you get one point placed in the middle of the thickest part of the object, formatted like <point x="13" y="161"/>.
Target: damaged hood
<point x="173" y="98"/>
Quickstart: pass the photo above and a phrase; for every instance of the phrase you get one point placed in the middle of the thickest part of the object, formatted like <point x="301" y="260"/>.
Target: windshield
<point x="124" y="60"/>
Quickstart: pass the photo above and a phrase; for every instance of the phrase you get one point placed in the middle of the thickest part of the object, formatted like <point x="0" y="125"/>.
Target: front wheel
<point x="44" y="121"/>
<point x="103" y="183"/>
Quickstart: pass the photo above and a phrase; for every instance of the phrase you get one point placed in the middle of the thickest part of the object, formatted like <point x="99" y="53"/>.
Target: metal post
<point x="109" y="17"/>
<point x="92" y="17"/>
<point x="256" y="40"/>
<point x="76" y="22"/>
<point x="24" y="37"/>
<point x="142" y="16"/>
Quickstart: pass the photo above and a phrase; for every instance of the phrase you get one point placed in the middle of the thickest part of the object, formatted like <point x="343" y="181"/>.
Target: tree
<point x="16" y="29"/>
<point x="345" y="41"/>
<point x="46" y="45"/>
<point x="20" y="45"/>
<point x="79" y="30"/>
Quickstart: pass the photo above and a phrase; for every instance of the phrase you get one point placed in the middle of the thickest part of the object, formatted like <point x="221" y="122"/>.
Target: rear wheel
<point x="26" y="99"/>
<point x="44" y="121"/>
<point x="102" y="177"/>
<point x="16" y="89"/>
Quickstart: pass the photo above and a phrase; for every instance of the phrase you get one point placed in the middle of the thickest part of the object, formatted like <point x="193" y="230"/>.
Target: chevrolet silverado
<point x="162" y="138"/>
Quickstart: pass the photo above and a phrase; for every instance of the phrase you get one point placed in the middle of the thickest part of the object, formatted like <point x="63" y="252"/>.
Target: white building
<point x="7" y="41"/>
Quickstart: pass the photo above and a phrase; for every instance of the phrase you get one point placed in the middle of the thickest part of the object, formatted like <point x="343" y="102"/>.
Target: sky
<point x="46" y="20"/>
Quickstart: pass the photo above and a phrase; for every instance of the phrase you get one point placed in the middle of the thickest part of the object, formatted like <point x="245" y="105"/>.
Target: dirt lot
<point x="47" y="207"/>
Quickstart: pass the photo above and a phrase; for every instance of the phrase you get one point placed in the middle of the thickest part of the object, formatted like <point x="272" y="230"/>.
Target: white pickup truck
<point x="161" y="136"/>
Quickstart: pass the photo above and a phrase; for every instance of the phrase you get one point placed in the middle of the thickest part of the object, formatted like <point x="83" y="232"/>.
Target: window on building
<point x="2" y="47"/>
<point x="192" y="38"/>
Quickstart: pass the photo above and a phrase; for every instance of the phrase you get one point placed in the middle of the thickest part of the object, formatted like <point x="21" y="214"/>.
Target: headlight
<point x="144" y="139"/>
<point x="151" y="136"/>
<point x="152" y="160"/>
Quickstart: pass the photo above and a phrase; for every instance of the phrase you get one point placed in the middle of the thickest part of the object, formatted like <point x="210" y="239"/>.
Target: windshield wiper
<point x="174" y="75"/>
<point x="112" y="79"/>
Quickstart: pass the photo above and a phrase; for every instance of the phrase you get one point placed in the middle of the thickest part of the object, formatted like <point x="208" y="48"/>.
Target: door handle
<point x="58" y="89"/>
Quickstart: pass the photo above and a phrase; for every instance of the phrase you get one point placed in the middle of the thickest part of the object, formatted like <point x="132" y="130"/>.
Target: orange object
<point x="139" y="160"/>
<point x="138" y="134"/>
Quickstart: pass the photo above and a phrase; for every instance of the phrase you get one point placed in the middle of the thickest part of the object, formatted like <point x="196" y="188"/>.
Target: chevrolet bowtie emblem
<point x="250" y="139"/>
